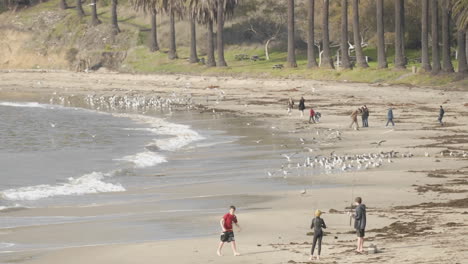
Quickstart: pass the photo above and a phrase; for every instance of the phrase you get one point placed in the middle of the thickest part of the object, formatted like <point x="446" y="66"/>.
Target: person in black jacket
<point x="360" y="222"/>
<point x="317" y="225"/>
<point x="441" y="115"/>
<point x="301" y="106"/>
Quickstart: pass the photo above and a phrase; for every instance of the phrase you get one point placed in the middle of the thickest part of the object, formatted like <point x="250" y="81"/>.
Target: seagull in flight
<point x="288" y="157"/>
<point x="379" y="142"/>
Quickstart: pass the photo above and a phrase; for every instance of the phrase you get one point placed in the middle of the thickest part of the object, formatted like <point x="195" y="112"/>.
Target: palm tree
<point x="115" y="24"/>
<point x="154" y="46"/>
<point x="425" y="64"/>
<point x="460" y="12"/>
<point x="446" y="60"/>
<point x="360" y="59"/>
<point x="205" y="12"/>
<point x="94" y="17"/>
<point x="400" y="61"/>
<point x="193" y="41"/>
<point x="311" y="61"/>
<point x="224" y="8"/>
<point x="462" y="63"/>
<point x="172" y="55"/>
<point x="435" y="37"/>
<point x="63" y="4"/>
<point x="291" y="44"/>
<point x="149" y="6"/>
<point x="381" y="57"/>
<point x="327" y="61"/>
<point x="79" y="8"/>
<point x="344" y="35"/>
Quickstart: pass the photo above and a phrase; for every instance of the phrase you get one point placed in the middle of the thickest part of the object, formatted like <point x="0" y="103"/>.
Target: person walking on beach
<point x="365" y="116"/>
<point x="228" y="232"/>
<point x="290" y="105"/>
<point x="390" y="117"/>
<point x="302" y="106"/>
<point x="312" y="115"/>
<point x="354" y="115"/>
<point x="359" y="222"/>
<point x="441" y="115"/>
<point x="317" y="225"/>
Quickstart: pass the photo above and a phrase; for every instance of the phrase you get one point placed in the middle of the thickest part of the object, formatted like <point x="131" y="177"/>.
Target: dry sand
<point x="417" y="207"/>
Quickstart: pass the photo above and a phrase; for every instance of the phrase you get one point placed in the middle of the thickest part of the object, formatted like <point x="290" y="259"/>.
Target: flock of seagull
<point x="337" y="163"/>
<point x="128" y="102"/>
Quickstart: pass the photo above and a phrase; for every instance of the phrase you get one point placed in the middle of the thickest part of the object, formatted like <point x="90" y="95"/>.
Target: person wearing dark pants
<point x="317" y="225"/>
<point x="365" y="116"/>
<point x="441" y="115"/>
<point x="390" y="117"/>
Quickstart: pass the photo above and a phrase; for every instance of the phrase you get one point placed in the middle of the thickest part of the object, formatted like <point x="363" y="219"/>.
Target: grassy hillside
<point x="43" y="36"/>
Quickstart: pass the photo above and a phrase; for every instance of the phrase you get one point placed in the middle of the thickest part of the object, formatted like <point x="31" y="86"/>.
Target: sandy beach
<point x="417" y="202"/>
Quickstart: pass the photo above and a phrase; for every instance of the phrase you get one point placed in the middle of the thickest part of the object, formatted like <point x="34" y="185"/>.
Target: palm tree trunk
<point x="344" y="35"/>
<point x="435" y="37"/>
<point x="79" y="8"/>
<point x="94" y="17"/>
<point x="311" y="61"/>
<point x="193" y="41"/>
<point x="172" y="55"/>
<point x="210" y="62"/>
<point x="115" y="24"/>
<point x="63" y="4"/>
<point x="219" y="34"/>
<point x="381" y="57"/>
<point x="327" y="61"/>
<point x="446" y="60"/>
<point x="425" y="64"/>
<point x="462" y="64"/>
<point x="360" y="59"/>
<point x="291" y="45"/>
<point x="400" y="62"/>
<point x="154" y="33"/>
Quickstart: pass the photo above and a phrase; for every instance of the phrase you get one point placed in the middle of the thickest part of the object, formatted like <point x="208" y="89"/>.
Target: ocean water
<point x="157" y="169"/>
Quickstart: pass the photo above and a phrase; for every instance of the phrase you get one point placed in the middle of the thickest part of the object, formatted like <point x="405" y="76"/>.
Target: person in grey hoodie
<point x="390" y="117"/>
<point x="359" y="222"/>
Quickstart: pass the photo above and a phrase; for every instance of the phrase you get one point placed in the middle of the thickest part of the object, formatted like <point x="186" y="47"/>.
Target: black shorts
<point x="360" y="232"/>
<point x="227" y="236"/>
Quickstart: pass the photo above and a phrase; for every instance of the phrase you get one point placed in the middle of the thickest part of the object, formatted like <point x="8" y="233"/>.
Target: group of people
<point x="314" y="117"/>
<point x="318" y="224"/>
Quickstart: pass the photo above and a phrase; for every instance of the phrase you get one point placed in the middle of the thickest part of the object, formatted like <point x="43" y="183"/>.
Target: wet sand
<point x="417" y="207"/>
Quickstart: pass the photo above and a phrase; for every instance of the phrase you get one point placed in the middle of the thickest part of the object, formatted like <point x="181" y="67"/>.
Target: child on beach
<point x="317" y="225"/>
<point x="228" y="232"/>
<point x="312" y="115"/>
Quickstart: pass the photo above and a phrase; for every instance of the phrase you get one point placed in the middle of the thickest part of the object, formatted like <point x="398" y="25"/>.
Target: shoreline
<point x="265" y="100"/>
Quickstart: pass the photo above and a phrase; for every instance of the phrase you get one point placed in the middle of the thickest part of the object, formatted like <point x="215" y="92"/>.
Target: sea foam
<point x="86" y="184"/>
<point x="144" y="159"/>
<point x="174" y="136"/>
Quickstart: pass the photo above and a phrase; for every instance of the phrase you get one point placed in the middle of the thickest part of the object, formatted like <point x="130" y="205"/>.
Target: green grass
<point x="135" y="33"/>
<point x="141" y="60"/>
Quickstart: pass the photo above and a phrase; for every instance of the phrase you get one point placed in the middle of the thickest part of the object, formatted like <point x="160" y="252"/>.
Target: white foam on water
<point x="86" y="184"/>
<point x="144" y="159"/>
<point x="176" y="136"/>
<point x="28" y="104"/>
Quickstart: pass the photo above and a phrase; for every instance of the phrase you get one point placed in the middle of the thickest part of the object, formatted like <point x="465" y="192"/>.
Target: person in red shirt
<point x="228" y="232"/>
<point x="312" y="115"/>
